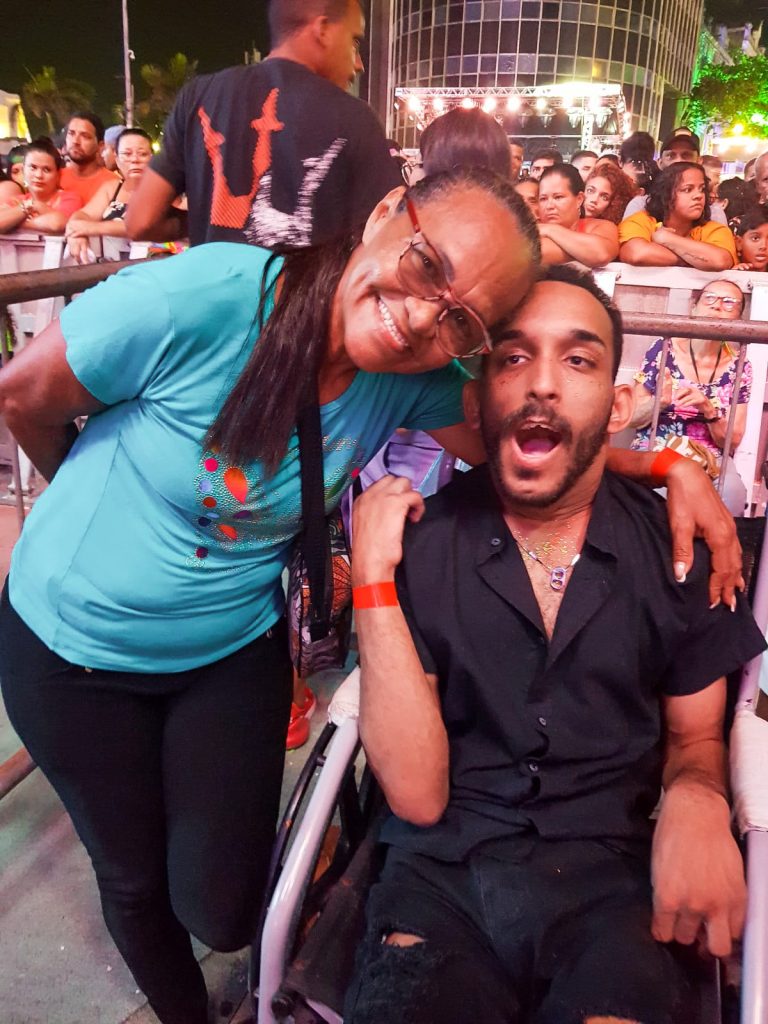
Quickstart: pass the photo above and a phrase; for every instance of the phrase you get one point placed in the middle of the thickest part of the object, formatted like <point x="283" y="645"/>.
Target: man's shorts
<point x="525" y="930"/>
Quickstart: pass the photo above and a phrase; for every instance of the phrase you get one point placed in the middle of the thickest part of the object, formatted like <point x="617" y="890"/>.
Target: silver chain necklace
<point x="558" y="574"/>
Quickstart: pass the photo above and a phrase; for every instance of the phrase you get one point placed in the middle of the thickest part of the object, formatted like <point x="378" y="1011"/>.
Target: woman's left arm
<point x="47" y="222"/>
<point x="597" y="245"/>
<point x="702" y="255"/>
<point x="694" y="507"/>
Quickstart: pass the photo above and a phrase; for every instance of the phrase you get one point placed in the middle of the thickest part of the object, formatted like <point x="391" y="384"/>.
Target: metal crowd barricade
<point x="17" y="288"/>
<point x="738" y="332"/>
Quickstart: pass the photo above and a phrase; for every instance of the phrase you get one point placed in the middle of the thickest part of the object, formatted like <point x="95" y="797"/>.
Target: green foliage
<point x="52" y="99"/>
<point x="728" y="95"/>
<point x="164" y="83"/>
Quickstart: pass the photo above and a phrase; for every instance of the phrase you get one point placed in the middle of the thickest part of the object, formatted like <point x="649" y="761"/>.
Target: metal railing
<point x="737" y="332"/>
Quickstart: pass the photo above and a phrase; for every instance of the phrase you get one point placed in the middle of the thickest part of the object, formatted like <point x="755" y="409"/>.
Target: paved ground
<point x="57" y="962"/>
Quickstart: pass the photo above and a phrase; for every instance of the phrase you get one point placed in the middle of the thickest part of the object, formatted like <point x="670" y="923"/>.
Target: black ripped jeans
<point x="173" y="784"/>
<point x="525" y="931"/>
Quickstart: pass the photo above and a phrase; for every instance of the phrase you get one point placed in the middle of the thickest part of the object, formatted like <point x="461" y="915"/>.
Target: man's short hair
<point x="287" y="17"/>
<point x="712" y="161"/>
<point x="582" y="152"/>
<point x="639" y="147"/>
<point x="94" y="119"/>
<point x="550" y="153"/>
<point x="583" y="279"/>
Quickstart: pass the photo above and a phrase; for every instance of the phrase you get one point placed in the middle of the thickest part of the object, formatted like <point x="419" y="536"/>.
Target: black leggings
<point x="173" y="784"/>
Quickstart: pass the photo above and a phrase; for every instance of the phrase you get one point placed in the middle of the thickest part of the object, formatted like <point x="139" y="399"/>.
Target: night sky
<point x="83" y="39"/>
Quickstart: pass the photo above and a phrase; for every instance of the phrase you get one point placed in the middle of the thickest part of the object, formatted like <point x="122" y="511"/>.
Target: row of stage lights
<point x="542" y="106"/>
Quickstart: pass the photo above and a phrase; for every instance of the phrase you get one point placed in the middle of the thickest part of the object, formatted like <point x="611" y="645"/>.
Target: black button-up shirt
<point x="560" y="737"/>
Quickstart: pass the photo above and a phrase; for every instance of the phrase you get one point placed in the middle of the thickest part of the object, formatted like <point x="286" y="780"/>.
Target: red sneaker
<point x="298" y="727"/>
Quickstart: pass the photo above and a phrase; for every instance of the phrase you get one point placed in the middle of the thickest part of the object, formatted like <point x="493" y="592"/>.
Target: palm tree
<point x="55" y="99"/>
<point x="164" y="83"/>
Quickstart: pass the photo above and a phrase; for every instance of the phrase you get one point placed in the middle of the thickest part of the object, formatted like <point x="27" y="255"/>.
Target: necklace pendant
<point x="557" y="576"/>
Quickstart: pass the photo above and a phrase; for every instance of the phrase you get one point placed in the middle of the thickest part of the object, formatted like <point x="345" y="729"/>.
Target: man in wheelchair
<point x="532" y="674"/>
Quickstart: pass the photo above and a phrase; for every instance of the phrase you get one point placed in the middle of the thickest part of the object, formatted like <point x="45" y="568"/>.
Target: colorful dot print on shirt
<point x="234" y="510"/>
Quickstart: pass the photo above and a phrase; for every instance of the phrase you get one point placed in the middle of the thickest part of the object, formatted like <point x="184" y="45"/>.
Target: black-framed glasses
<point x="728" y="302"/>
<point x="460" y="331"/>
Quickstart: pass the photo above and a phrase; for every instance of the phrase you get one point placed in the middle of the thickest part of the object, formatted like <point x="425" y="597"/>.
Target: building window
<point x="529" y="36"/>
<point x="474" y="12"/>
<point x="605" y="16"/>
<point x="548" y="38"/>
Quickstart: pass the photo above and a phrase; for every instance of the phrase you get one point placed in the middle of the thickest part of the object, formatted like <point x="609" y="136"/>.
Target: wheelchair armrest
<point x="285" y="906"/>
<point x="346" y="700"/>
<point x="749" y="781"/>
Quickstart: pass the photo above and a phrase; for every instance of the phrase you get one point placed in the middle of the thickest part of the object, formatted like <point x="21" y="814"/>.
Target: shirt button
<point x="533" y="766"/>
<point x="495" y="541"/>
<point x="542" y="722"/>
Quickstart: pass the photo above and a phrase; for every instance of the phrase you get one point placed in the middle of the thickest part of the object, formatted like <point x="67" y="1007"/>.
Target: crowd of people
<point x="80" y="189"/>
<point x="150" y="678"/>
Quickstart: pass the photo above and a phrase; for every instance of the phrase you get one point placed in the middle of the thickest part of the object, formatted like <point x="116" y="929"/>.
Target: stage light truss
<point x="591" y="103"/>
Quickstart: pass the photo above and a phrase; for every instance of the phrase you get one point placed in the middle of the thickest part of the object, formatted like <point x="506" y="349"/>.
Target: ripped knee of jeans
<point x="609" y="1020"/>
<point x="403" y="940"/>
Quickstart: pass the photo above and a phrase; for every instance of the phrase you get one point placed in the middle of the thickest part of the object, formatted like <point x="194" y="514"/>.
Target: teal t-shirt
<point x="147" y="553"/>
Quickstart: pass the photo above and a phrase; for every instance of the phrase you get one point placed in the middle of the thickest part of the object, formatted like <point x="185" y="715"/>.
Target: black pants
<point x="526" y="930"/>
<point x="173" y="784"/>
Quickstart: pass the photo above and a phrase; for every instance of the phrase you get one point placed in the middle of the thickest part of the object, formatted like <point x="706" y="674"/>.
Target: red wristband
<point x="661" y="464"/>
<point x="375" y="595"/>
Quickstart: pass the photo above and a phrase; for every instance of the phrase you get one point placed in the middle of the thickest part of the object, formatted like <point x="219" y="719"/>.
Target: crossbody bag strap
<point x="315" y="538"/>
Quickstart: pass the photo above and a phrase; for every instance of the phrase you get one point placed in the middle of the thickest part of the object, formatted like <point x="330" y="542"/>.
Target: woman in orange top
<point x="675" y="229"/>
<point x="45" y="208"/>
<point x="565" y="233"/>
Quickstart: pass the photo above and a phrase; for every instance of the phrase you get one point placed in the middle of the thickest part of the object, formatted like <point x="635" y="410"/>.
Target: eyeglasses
<point x="460" y="331"/>
<point x="728" y="302"/>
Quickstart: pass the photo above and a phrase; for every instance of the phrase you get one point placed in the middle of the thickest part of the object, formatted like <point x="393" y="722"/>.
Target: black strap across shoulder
<point x="315" y="538"/>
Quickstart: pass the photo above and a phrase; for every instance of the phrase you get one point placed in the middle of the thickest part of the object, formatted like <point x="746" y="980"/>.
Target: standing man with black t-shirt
<point x="276" y="154"/>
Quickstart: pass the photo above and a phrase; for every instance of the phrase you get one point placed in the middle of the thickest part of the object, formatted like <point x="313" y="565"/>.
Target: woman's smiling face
<point x="488" y="265"/>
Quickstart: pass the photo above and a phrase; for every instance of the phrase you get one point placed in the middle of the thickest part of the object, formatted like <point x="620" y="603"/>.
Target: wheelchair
<point x="324" y="863"/>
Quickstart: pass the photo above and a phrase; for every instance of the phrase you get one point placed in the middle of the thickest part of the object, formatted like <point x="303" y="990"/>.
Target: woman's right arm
<point x="12" y="216"/>
<point x="641" y="253"/>
<point x="40" y="398"/>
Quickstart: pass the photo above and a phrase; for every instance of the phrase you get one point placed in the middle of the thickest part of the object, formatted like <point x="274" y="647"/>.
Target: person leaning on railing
<point x="103" y="214"/>
<point x="676" y="228"/>
<point x="45" y="207"/>
<point x="565" y="233"/>
<point x="697" y="393"/>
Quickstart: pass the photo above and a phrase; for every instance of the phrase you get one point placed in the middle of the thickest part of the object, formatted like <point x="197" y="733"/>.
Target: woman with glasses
<point x="676" y="228"/>
<point x="566" y="234"/>
<point x="143" y="645"/>
<point x="698" y="392"/>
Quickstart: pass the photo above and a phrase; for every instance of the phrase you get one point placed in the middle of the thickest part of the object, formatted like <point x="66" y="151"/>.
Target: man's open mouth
<point x="537" y="440"/>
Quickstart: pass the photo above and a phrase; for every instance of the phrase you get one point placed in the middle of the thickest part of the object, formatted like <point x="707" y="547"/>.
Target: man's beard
<point x="582" y="453"/>
<point x="81" y="158"/>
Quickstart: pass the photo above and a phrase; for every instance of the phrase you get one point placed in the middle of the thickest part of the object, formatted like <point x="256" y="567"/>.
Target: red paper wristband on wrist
<point x="661" y="464"/>
<point x="375" y="595"/>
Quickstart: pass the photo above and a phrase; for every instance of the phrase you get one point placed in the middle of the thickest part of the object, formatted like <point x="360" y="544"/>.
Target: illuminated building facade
<point x="647" y="47"/>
